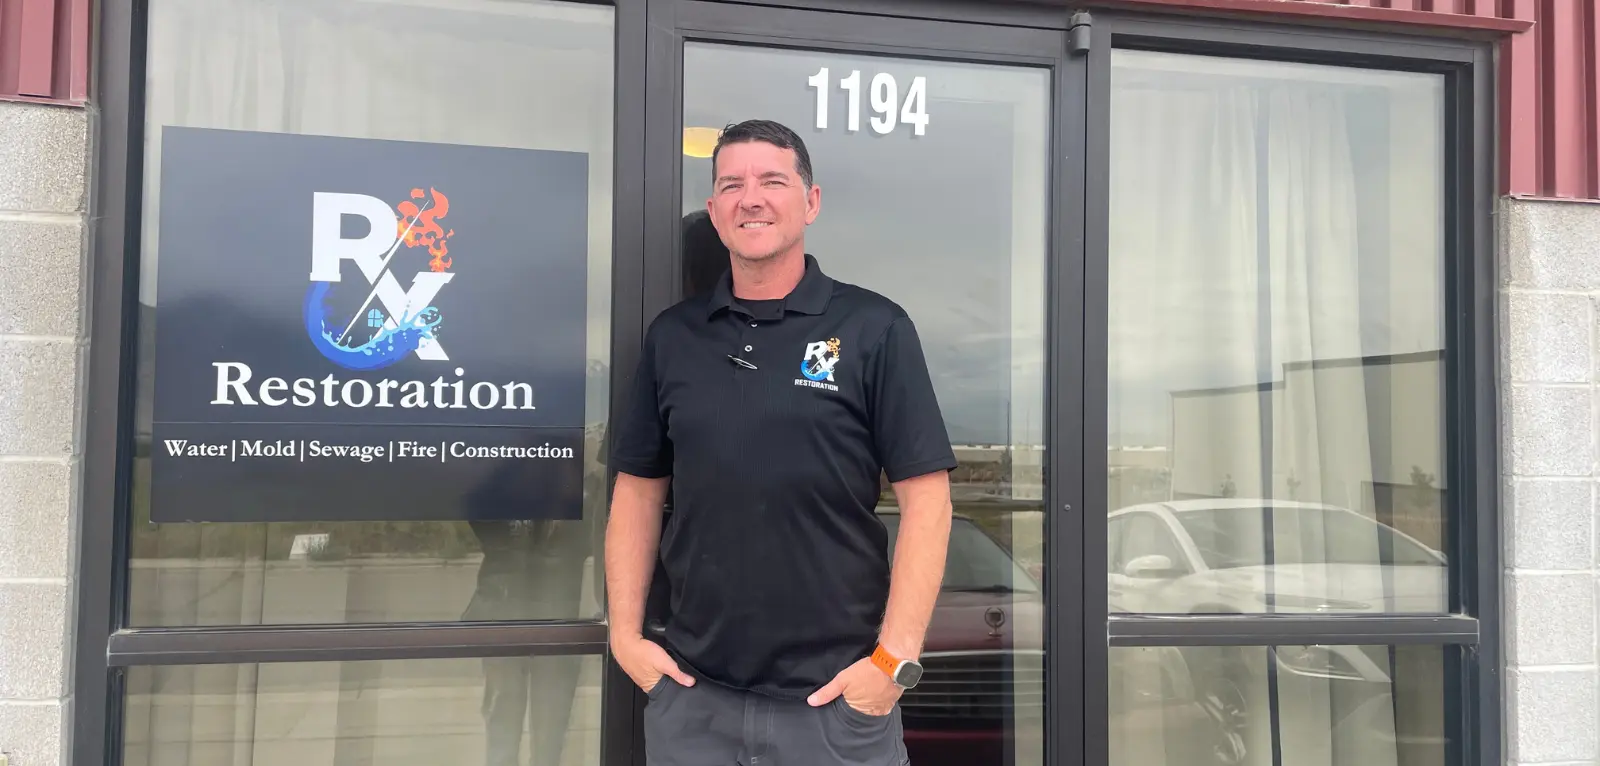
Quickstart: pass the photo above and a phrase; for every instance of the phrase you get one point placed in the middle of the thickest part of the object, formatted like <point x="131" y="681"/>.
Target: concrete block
<point x="35" y="519"/>
<point x="44" y="159"/>
<point x="1551" y="715"/>
<point x="37" y="397"/>
<point x="1550" y="430"/>
<point x="1550" y="619"/>
<point x="33" y="627"/>
<point x="1549" y="338"/>
<point x="1550" y="245"/>
<point x="42" y="290"/>
<point x="1552" y="524"/>
<point x="32" y="733"/>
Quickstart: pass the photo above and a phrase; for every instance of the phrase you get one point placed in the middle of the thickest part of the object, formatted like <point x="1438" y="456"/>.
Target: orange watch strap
<point x="885" y="661"/>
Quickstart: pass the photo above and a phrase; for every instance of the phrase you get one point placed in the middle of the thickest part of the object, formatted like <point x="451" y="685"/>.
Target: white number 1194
<point x="886" y="104"/>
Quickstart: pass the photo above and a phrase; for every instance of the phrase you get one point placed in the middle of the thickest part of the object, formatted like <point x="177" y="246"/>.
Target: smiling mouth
<point x="755" y="224"/>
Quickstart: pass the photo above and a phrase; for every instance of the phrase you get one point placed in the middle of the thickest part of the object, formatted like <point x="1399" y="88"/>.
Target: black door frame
<point x="649" y="37"/>
<point x="1032" y="37"/>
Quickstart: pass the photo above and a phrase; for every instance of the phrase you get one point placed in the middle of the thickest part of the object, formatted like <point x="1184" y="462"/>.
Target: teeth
<point x="753" y="225"/>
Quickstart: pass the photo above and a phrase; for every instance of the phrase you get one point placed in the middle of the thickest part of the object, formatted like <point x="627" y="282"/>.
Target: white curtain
<point x="1233" y="260"/>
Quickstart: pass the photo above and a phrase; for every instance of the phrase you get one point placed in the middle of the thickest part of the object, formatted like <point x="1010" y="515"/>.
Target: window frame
<point x="104" y="645"/>
<point x="1469" y="632"/>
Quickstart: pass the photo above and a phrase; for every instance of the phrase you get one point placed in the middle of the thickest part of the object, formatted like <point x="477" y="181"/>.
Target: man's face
<point x="759" y="204"/>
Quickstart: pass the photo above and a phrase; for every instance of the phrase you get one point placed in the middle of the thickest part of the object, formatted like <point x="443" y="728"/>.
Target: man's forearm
<point x="633" y="533"/>
<point x="918" y="568"/>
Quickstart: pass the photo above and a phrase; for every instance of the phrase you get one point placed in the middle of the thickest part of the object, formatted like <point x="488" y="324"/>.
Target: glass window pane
<point x="539" y="711"/>
<point x="463" y="72"/>
<point x="1278" y="706"/>
<point x="966" y="258"/>
<point x="1276" y="338"/>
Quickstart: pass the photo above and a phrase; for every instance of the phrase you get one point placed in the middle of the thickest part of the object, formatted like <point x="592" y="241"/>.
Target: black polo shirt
<point x="776" y="560"/>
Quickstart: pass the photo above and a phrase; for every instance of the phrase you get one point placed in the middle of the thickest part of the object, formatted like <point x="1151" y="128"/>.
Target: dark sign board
<point x="353" y="330"/>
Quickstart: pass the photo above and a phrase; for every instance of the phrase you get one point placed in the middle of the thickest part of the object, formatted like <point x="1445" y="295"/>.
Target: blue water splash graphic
<point x="813" y="372"/>
<point x="389" y="345"/>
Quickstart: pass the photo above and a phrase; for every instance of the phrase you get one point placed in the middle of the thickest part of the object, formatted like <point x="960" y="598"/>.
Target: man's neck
<point x="770" y="279"/>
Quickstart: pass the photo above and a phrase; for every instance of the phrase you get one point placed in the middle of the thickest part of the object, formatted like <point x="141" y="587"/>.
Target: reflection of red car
<point x="982" y="688"/>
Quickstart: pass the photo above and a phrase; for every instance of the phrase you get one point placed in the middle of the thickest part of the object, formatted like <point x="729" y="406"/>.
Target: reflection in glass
<point x="515" y="711"/>
<point x="1277" y="706"/>
<point x="951" y="225"/>
<point x="1276" y="338"/>
<point x="346" y="68"/>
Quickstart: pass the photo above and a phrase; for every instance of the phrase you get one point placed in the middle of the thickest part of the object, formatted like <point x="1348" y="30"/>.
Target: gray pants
<point x="709" y="725"/>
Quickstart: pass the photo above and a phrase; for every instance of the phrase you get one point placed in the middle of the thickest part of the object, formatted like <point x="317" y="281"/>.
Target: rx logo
<point x="821" y="356"/>
<point x="393" y="321"/>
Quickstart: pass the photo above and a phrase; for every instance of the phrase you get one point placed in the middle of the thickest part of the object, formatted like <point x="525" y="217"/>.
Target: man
<point x="773" y="405"/>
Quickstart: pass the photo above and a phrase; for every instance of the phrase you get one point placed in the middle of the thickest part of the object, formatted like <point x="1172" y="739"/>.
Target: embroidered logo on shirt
<point x="817" y="366"/>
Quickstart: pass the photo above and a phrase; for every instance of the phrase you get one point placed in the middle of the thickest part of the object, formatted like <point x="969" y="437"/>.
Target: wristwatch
<point x="904" y="673"/>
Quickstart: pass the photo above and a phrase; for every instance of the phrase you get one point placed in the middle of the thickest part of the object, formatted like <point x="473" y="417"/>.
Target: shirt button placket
<point x="744" y="338"/>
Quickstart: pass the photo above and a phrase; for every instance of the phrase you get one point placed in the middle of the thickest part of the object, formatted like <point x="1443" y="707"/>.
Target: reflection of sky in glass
<point x="949" y="224"/>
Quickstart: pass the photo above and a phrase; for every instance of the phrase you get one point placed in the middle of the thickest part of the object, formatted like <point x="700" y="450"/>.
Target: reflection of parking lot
<point x="1252" y="556"/>
<point x="1226" y="706"/>
<point x="410" y="713"/>
<point x="981" y="701"/>
<point x="1202" y="706"/>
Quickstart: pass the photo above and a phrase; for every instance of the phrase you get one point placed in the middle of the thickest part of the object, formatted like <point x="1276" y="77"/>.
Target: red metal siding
<point x="1549" y="76"/>
<point x="44" y="50"/>
<point x="1522" y="115"/>
<point x="1549" y="91"/>
<point x="1564" y="98"/>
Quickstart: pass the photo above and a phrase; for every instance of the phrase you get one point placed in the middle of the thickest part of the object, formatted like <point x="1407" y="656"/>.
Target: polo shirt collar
<point x="810" y="296"/>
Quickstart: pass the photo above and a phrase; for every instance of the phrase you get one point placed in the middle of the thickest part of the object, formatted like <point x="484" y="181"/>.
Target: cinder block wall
<point x="43" y="195"/>
<point x="1550" y="302"/>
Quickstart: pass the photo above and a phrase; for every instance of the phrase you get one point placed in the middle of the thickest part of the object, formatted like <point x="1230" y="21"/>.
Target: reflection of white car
<point x="1252" y="556"/>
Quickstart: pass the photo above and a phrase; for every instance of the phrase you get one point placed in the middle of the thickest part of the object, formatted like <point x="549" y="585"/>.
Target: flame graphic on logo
<point x="419" y="226"/>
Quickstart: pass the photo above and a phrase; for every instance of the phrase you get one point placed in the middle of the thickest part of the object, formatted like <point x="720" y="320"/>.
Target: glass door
<point x="932" y="143"/>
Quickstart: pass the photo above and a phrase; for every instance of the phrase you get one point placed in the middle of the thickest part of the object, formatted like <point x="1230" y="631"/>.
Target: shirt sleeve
<point x="908" y="431"/>
<point x="640" y="446"/>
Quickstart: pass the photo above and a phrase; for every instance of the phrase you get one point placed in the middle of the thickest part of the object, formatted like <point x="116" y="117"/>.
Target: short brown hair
<point x="766" y="131"/>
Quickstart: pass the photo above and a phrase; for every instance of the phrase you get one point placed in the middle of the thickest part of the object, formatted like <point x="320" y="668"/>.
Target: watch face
<point x="908" y="674"/>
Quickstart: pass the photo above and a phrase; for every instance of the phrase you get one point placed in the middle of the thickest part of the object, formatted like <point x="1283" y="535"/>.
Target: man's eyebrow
<point x="768" y="174"/>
